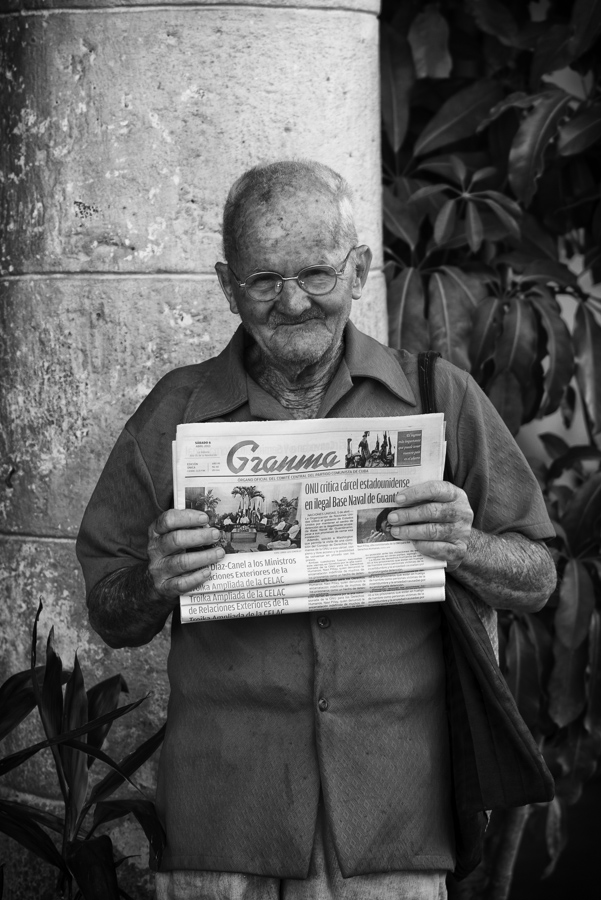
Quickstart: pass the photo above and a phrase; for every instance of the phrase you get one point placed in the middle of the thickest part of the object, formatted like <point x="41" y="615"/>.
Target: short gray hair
<point x="261" y="184"/>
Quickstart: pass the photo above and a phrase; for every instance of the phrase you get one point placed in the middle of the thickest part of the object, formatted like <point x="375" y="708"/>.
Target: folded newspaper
<point x="302" y="507"/>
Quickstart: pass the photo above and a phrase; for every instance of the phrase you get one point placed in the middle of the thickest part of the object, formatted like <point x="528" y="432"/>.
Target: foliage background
<point x="491" y="168"/>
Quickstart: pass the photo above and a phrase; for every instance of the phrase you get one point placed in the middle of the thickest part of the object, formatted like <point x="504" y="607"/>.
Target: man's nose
<point x="293" y="300"/>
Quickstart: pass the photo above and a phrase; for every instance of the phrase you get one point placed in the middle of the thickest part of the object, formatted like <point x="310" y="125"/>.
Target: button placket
<point x="323" y="622"/>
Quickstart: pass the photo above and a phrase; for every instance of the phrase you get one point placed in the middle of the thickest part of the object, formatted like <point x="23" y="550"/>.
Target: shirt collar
<point x="368" y="358"/>
<point x="223" y="385"/>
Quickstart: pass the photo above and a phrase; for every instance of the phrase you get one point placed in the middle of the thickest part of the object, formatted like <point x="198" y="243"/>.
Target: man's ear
<point x="226" y="280"/>
<point x="363" y="257"/>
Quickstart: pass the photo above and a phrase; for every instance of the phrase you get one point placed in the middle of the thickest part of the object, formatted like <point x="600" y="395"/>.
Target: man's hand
<point x="437" y="517"/>
<point x="180" y="551"/>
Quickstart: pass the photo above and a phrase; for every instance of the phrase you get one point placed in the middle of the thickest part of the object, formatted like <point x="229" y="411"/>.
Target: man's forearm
<point x="125" y="609"/>
<point x="508" y="571"/>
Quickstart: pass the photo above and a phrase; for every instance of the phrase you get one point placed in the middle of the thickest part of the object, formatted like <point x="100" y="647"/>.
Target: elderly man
<point x="308" y="756"/>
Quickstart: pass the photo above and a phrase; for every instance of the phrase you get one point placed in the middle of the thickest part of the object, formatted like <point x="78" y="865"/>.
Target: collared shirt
<point x="263" y="711"/>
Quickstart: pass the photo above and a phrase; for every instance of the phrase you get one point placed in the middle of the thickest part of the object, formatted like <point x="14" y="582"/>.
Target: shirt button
<point x="323" y="622"/>
<point x="323" y="704"/>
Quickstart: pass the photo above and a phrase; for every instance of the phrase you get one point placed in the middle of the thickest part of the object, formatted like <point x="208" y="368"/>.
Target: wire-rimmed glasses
<point x="265" y="287"/>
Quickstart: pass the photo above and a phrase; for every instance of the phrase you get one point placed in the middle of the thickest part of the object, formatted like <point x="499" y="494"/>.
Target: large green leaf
<point x="505" y="394"/>
<point x="559" y="349"/>
<point x="582" y="517"/>
<point x="517" y="348"/>
<point x="102" y="698"/>
<point x="535" y="239"/>
<point x="8" y="763"/>
<point x="537" y="129"/>
<point x="522" y="673"/>
<point x="52" y="693"/>
<point x="397" y="76"/>
<point x="407" y="324"/>
<point x="93" y="867"/>
<point x="556" y="833"/>
<point x="576" y="605"/>
<point x="587" y="344"/>
<point x="17" y="824"/>
<point x="75" y="764"/>
<point x="450" y="318"/>
<point x="592" y="719"/>
<point x="552" y="53"/>
<point x="492" y="17"/>
<point x="51" y="706"/>
<point x="554" y="445"/>
<point x="474" y="285"/>
<point x="428" y="203"/>
<point x="47" y="819"/>
<point x="400" y="219"/>
<point x="585" y="25"/>
<point x="542" y="641"/>
<point x="130" y="764"/>
<point x="566" y="685"/>
<point x="429" y="39"/>
<point x="17" y="698"/>
<point x="459" y="117"/>
<point x="487" y="328"/>
<point x="573" y="459"/>
<point x="580" y="132"/>
<point x="445" y="222"/>
<point x="474" y="229"/>
<point x="510" y="223"/>
<point x="145" y="813"/>
<point x="547" y="271"/>
<point x="578" y="758"/>
<point x="517" y="100"/>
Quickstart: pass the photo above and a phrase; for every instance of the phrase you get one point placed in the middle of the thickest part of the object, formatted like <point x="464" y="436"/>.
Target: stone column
<point x="124" y="126"/>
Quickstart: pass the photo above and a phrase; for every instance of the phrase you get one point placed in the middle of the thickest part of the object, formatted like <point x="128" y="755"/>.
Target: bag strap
<point x="426" y="361"/>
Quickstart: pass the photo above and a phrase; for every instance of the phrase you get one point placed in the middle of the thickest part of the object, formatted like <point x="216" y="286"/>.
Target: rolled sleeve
<point x="114" y="530"/>
<point x="489" y="466"/>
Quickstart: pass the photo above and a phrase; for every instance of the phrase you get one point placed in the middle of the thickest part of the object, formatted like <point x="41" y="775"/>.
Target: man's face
<point x="296" y="330"/>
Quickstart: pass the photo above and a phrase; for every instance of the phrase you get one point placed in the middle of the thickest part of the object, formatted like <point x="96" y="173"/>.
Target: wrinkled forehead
<point x="294" y="215"/>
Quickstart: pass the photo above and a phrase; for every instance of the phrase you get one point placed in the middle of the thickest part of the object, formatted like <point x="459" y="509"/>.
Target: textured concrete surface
<point x="123" y="126"/>
<point x="88" y="350"/>
<point x="122" y="162"/>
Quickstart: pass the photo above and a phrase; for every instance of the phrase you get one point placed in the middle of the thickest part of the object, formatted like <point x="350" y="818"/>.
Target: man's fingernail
<point x="393" y="518"/>
<point x="400" y="498"/>
<point x="215" y="534"/>
<point x="220" y="553"/>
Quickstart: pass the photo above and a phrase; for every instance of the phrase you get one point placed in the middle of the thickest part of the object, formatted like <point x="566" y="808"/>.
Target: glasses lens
<point x="264" y="286"/>
<point x="318" y="279"/>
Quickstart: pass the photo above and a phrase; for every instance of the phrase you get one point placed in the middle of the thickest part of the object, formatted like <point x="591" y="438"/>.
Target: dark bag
<point x="496" y="763"/>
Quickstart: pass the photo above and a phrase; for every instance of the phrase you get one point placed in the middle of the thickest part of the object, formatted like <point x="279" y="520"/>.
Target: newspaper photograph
<point x="302" y="510"/>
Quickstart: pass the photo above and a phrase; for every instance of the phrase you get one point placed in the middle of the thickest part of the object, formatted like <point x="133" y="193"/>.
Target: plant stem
<point x="504" y="864"/>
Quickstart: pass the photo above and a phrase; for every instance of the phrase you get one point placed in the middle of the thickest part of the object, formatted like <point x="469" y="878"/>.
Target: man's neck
<point x="300" y="392"/>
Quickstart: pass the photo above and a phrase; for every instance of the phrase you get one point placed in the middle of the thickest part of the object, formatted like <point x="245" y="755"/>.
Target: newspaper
<point x="302" y="509"/>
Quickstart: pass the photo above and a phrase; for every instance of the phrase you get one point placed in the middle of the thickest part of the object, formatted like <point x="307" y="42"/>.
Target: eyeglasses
<point x="315" y="280"/>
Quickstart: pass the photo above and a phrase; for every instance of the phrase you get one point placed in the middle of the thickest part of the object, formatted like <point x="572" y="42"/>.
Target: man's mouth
<point x="298" y="320"/>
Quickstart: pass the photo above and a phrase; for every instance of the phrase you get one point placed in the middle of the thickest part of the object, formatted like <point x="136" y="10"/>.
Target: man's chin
<point x="304" y="346"/>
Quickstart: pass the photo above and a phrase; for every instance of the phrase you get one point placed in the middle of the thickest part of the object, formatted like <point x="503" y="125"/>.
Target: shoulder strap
<point x="426" y="361"/>
<point x="425" y="373"/>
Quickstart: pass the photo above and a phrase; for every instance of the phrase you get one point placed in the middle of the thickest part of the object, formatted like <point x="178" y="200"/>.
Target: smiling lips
<point x="298" y="320"/>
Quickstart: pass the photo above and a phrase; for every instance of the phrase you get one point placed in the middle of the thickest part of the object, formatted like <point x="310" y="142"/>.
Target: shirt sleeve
<point x="114" y="530"/>
<point x="487" y="463"/>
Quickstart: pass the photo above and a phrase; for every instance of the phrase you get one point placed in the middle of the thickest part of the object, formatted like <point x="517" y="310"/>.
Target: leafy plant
<point x="76" y="723"/>
<point x="491" y="118"/>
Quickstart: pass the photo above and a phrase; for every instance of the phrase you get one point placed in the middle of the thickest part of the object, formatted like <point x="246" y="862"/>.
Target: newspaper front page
<point x="302" y="508"/>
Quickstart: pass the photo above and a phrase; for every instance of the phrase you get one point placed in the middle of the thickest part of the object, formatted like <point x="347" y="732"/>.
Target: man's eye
<point x="263" y="282"/>
<point x="318" y="277"/>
